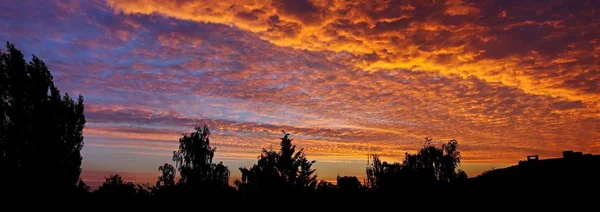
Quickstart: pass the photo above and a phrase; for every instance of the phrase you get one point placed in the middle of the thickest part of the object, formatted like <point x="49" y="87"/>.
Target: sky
<point x="506" y="78"/>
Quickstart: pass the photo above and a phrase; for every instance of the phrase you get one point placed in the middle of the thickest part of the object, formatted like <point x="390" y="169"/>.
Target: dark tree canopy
<point x="326" y="187"/>
<point x="194" y="160"/>
<point x="167" y="177"/>
<point x="285" y="170"/>
<point x="115" y="186"/>
<point x="429" y="168"/>
<point x="349" y="184"/>
<point x="40" y="130"/>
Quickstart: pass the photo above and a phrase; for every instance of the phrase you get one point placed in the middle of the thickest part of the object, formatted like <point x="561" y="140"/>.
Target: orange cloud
<point x="448" y="37"/>
<point x="346" y="78"/>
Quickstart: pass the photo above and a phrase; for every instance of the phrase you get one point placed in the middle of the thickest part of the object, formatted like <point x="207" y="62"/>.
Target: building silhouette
<point x="575" y="174"/>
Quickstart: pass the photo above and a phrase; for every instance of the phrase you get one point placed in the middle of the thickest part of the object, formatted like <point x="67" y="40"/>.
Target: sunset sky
<point x="506" y="78"/>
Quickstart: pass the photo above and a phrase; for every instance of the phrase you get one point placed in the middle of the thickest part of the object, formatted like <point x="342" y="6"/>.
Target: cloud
<point x="346" y="78"/>
<point x="449" y="37"/>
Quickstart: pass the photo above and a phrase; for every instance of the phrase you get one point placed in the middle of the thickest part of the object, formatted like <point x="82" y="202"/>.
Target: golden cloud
<point x="448" y="37"/>
<point x="346" y="78"/>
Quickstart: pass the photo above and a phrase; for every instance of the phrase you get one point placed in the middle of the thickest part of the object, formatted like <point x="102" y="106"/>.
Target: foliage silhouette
<point x="428" y="169"/>
<point x="167" y="177"/>
<point x="194" y="162"/>
<point x="40" y="130"/>
<point x="349" y="184"/>
<point x="326" y="187"/>
<point x="115" y="187"/>
<point x="283" y="171"/>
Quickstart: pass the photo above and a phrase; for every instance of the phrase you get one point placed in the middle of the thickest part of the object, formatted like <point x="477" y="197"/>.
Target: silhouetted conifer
<point x="283" y="171"/>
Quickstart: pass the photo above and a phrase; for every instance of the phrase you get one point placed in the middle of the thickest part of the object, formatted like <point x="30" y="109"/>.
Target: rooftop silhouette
<point x="574" y="174"/>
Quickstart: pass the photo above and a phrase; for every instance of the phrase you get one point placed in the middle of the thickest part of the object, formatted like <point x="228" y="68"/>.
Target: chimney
<point x="532" y="158"/>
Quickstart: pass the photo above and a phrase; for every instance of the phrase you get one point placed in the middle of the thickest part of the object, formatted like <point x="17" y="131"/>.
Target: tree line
<point x="41" y="138"/>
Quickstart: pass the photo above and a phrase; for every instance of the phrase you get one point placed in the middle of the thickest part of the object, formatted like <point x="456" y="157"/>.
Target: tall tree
<point x="194" y="160"/>
<point x="285" y="170"/>
<point x="449" y="162"/>
<point x="40" y="130"/>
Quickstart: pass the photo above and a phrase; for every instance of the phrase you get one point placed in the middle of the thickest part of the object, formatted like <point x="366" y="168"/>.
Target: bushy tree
<point x="326" y="187"/>
<point x="167" y="177"/>
<point x="429" y="168"/>
<point x="285" y="170"/>
<point x="349" y="184"/>
<point x="194" y="160"/>
<point x="115" y="186"/>
<point x="40" y="130"/>
<point x="382" y="175"/>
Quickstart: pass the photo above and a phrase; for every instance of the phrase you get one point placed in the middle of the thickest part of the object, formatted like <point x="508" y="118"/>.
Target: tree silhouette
<point x="461" y="176"/>
<point x="429" y="168"/>
<point x="194" y="161"/>
<point x="326" y="187"/>
<point x="220" y="173"/>
<point x="449" y="162"/>
<point x="349" y="184"/>
<point x="285" y="170"/>
<point x="167" y="177"/>
<point x="40" y="130"/>
<point x="383" y="175"/>
<point x="82" y="188"/>
<point x="115" y="186"/>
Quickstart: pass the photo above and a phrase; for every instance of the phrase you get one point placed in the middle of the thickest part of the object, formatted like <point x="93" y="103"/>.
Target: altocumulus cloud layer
<point x="347" y="78"/>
